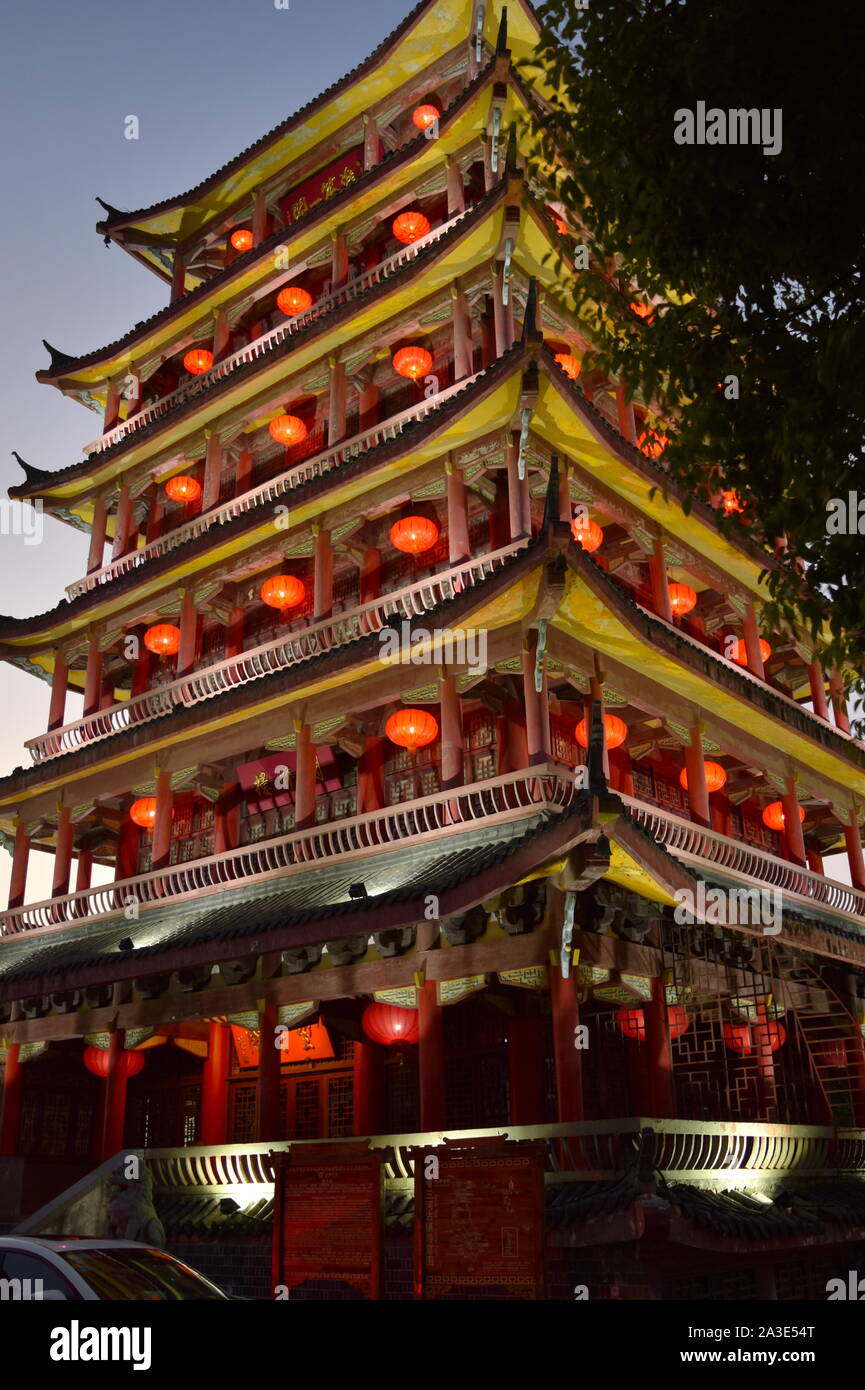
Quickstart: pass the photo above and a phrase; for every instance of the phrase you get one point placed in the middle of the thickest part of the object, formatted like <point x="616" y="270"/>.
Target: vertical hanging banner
<point x="327" y="1217"/>
<point x="479" y="1219"/>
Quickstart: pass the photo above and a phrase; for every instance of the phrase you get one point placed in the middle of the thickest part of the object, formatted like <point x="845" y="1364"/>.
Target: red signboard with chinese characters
<point x="270" y="781"/>
<point x="321" y="186"/>
<point x="327" y="1217"/>
<point x="310" y="1042"/>
<point x="479" y="1219"/>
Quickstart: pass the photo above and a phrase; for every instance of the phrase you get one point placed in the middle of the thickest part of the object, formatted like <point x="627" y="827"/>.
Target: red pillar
<point x="84" y="869"/>
<point x="458" y="518"/>
<point x="370" y="777"/>
<point x="243" y="473"/>
<point x="368" y="1095"/>
<point x="455" y="189"/>
<point x="537" y="705"/>
<point x="62" y="853"/>
<point x="462" y="335"/>
<point x="11" y="1096"/>
<point x="188" y="634"/>
<point x="161" y="848"/>
<point x="519" y="511"/>
<point x="113" y="1120"/>
<point x="660" y="585"/>
<point x="698" y="792"/>
<point x="659" y="1057"/>
<point x="323" y="575"/>
<point x="793" y="825"/>
<point x="431" y="1059"/>
<point x="839" y="704"/>
<point x="853" y="843"/>
<point x="95" y="554"/>
<point x="627" y="428"/>
<point x="817" y="682"/>
<point x="20" y="860"/>
<point x="93" y="676"/>
<point x="122" y="524"/>
<point x="57" y="708"/>
<point x="752" y="643"/>
<point x="212" y="472"/>
<point x="304" y="796"/>
<point x="214" y="1085"/>
<point x="568" y="1057"/>
<point x="126" y="861"/>
<point x="267" y="1122"/>
<point x="337" y="410"/>
<point x="526" y="1079"/>
<point x="451" y="734"/>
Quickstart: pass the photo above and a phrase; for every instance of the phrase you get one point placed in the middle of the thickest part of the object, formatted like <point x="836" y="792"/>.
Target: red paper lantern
<point x="652" y="444"/>
<point x="740" y="652"/>
<point x="128" y="1063"/>
<point x="412" y="729"/>
<point x="385" y="1024"/>
<point x="294" y="299"/>
<point x="737" y="1038"/>
<point x="770" y="1029"/>
<point x="632" y="1022"/>
<point x="198" y="360"/>
<point x="643" y="311"/>
<point x="561" y="227"/>
<point x="773" y="816"/>
<point x="287" y="429"/>
<point x="615" y="729"/>
<point x="413" y="362"/>
<point x="715" y="777"/>
<point x="183" y="488"/>
<point x="414" y="534"/>
<point x="163" y="639"/>
<point x="143" y="812"/>
<point x="425" y="116"/>
<point x="586" y="533"/>
<point x="410" y="226"/>
<point x="682" y="599"/>
<point x="241" y="240"/>
<point x="733" y="503"/>
<point x="283" y="591"/>
<point x="570" y="365"/>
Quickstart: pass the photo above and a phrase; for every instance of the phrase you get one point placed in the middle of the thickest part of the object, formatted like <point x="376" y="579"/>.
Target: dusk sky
<point x="205" y="78"/>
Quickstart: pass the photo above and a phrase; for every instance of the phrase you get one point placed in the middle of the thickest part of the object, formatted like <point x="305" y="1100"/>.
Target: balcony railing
<point x="259" y="347"/>
<point x="697" y="845"/>
<point x="549" y="787"/>
<point x="705" y="1153"/>
<point x="315" y="640"/>
<point x="315" y="467"/>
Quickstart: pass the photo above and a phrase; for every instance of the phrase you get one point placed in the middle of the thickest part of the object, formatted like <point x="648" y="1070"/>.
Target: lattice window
<point x="192" y="829"/>
<point x="565" y="748"/>
<point x="242" y="1113"/>
<point x="307" y="1109"/>
<point x="340" y="1106"/>
<point x="643" y="781"/>
<point x="669" y="793"/>
<point x="401" y="1091"/>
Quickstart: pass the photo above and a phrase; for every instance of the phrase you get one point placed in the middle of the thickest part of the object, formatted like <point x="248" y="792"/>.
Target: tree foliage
<point x="753" y="260"/>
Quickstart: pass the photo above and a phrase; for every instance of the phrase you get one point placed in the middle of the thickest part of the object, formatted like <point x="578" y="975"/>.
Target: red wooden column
<point x="793" y="825"/>
<point x="371" y="143"/>
<point x="451" y="733"/>
<point x="462" y="332"/>
<point x="126" y="860"/>
<point x="227" y="819"/>
<point x="752" y="642"/>
<point x="259" y="218"/>
<point x="178" y="277"/>
<point x="817" y="682"/>
<point x="458" y="516"/>
<point x="698" y="792"/>
<point x="93" y="675"/>
<point x="267" y="1125"/>
<point x="431" y="1058"/>
<point x="323" y="573"/>
<point x="519" y="509"/>
<point x="84" y="870"/>
<point x="839" y="704"/>
<point x="188" y="633"/>
<point x="161" y="848"/>
<point x="500" y="321"/>
<point x="369" y="582"/>
<point x="337" y="408"/>
<point x="11" y="1096"/>
<point x="212" y="471"/>
<point x="370" y="777"/>
<point x="113" y="1120"/>
<point x="339" y="260"/>
<point x="659" y="1057"/>
<point x="62" y="853"/>
<point x="111" y="417"/>
<point x="214" y="1085"/>
<point x="568" y="1057"/>
<point x="243" y="473"/>
<point x="96" y="552"/>
<point x="526" y="1080"/>
<point x="660" y="585"/>
<point x="627" y="428"/>
<point x="304" y="796"/>
<point x="537" y="704"/>
<point x="234" y="631"/>
<point x="122" y="523"/>
<point x="853" y="843"/>
<point x="455" y="187"/>
<point x="368" y="1095"/>
<point x="20" y="860"/>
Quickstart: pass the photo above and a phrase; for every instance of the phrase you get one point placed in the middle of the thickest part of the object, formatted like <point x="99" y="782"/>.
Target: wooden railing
<point x="319" y="637"/>
<point x="264" y="344"/>
<point x="314" y="467"/>
<point x="698" y="845"/>
<point x="496" y="801"/>
<point x="706" y="1153"/>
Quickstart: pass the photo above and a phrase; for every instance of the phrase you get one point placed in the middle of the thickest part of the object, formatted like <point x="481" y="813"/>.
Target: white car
<point x="34" y="1268"/>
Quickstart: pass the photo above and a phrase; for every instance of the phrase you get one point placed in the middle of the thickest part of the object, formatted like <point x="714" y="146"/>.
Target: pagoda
<point x="416" y="765"/>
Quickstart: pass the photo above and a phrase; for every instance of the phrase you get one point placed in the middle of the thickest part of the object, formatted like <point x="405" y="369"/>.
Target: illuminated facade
<point x="394" y="680"/>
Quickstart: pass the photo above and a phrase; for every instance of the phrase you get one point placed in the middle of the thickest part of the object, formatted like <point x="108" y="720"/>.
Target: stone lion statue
<point x="129" y="1212"/>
